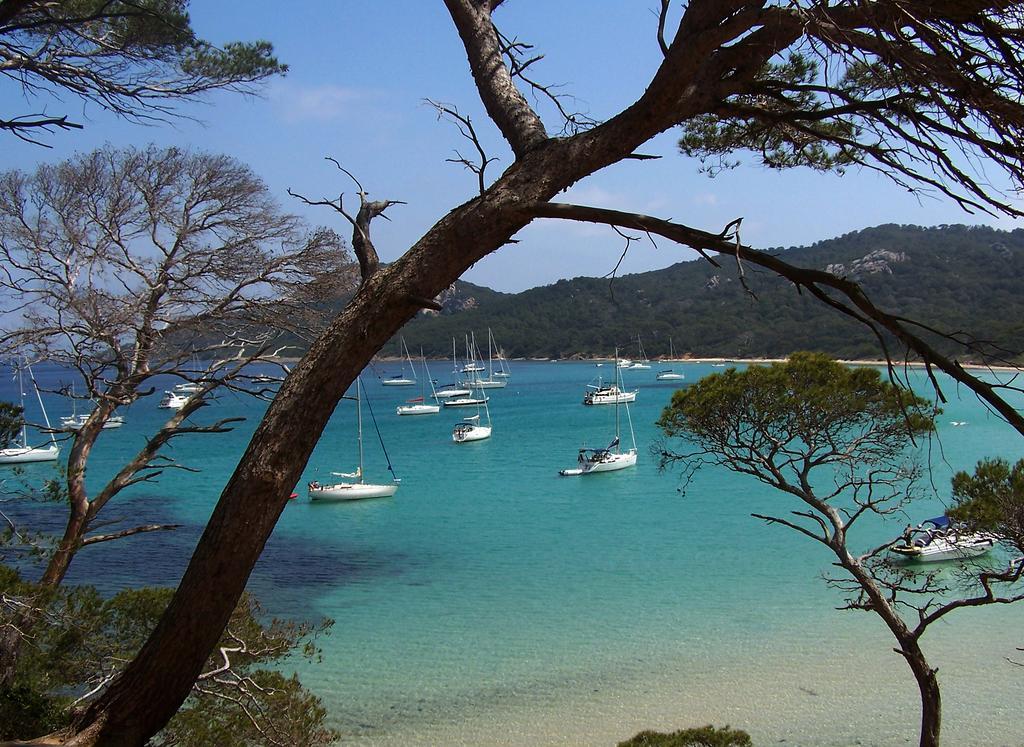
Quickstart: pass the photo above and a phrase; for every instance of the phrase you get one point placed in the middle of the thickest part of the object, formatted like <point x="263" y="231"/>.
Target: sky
<point x="360" y="74"/>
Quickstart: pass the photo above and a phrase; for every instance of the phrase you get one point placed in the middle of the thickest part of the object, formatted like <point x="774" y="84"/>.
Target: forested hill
<point x="968" y="280"/>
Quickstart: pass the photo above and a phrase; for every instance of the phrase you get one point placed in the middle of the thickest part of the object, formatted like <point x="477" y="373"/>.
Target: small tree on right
<point x="839" y="442"/>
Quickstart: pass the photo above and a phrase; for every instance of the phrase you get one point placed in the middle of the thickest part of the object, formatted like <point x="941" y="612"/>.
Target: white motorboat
<point x="607" y="395"/>
<point x="401" y="379"/>
<point x="173" y="400"/>
<point x="353" y="487"/>
<point x="939" y="539"/>
<point x="608" y="459"/>
<point x="419" y="405"/>
<point x="23" y="453"/>
<point x="471" y="429"/>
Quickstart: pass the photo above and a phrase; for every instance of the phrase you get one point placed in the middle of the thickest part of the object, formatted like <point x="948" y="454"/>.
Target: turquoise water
<point x="493" y="602"/>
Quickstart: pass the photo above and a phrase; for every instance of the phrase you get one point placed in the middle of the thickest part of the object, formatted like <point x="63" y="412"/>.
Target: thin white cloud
<point x="296" y="103"/>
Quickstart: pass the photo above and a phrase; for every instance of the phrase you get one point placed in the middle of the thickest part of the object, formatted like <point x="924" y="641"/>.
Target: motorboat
<point x="353" y="487"/>
<point x="23" y="453"/>
<point x="940" y="539"/>
<point x="173" y="400"/>
<point x="607" y="395"/>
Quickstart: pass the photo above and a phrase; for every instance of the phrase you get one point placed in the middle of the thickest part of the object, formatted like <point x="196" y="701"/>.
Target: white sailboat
<point x="642" y="362"/>
<point x="401" y="379"/>
<point x="609" y="459"/>
<point x="670" y="374"/>
<point x="24" y="453"/>
<point x="354" y="488"/>
<point x="502" y="372"/>
<point x="76" y="421"/>
<point x="475" y="381"/>
<point x="419" y="406"/>
<point x="471" y="429"/>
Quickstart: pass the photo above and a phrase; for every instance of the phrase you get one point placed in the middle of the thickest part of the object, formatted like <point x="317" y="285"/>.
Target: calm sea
<point x="492" y="602"/>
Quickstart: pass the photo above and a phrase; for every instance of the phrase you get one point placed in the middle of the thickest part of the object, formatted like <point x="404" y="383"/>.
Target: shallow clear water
<point x="493" y="602"/>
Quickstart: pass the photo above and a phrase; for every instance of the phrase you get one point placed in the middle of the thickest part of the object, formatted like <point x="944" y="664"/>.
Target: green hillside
<point x="968" y="280"/>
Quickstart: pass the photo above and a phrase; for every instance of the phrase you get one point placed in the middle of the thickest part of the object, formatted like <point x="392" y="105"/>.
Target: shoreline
<point x="711" y="359"/>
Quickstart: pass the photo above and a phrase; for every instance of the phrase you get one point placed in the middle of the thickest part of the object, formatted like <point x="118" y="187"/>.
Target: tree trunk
<point x="931" y="699"/>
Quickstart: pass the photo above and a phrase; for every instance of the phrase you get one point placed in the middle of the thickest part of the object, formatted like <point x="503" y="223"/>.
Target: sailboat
<point x="475" y="382"/>
<point x="670" y="374"/>
<point x="76" y="421"/>
<point x="25" y="453"/>
<point x="502" y="372"/>
<point x="642" y="363"/>
<point x="609" y="459"/>
<point x="356" y="489"/>
<point x="470" y="429"/>
<point x="400" y="379"/>
<point x="418" y="405"/>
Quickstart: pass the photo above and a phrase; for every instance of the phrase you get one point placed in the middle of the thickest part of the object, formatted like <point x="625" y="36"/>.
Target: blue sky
<point x="360" y="73"/>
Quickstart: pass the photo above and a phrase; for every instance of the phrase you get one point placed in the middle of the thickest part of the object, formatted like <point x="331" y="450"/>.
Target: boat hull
<point x="418" y="409"/>
<point x="25" y="454"/>
<point x="473" y="433"/>
<point x="397" y="382"/>
<point x="603" y="398"/>
<point x="464" y="402"/>
<point x="670" y="377"/>
<point x="351" y="491"/>
<point x="965" y="546"/>
<point x="485" y="384"/>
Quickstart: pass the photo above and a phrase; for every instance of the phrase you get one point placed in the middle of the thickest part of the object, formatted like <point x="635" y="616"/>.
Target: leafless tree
<point x="136" y="58"/>
<point x="125" y="265"/>
<point x="894" y="86"/>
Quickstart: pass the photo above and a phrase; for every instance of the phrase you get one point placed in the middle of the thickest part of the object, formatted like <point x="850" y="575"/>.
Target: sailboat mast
<point x="359" y="424"/>
<point x="21" y="391"/>
<point x="42" y="408"/>
<point x="618" y="395"/>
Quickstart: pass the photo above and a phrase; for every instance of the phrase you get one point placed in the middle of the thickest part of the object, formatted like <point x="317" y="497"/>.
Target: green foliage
<point x="82" y="639"/>
<point x="810" y="406"/>
<point x="763" y="122"/>
<point x="992" y="499"/>
<point x="11" y="418"/>
<point x="706" y="736"/>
